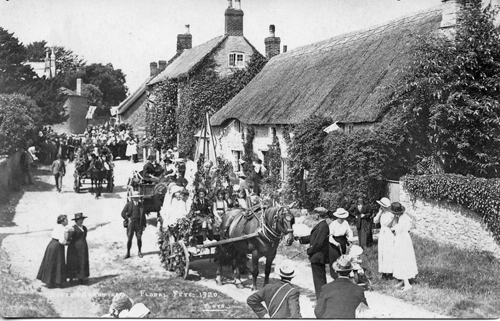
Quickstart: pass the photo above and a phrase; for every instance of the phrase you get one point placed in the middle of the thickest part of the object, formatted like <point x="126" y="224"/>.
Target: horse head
<point x="283" y="222"/>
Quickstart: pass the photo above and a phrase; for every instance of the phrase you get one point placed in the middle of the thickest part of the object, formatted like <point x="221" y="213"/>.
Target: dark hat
<point x="79" y="216"/>
<point x="397" y="208"/>
<point x="151" y="157"/>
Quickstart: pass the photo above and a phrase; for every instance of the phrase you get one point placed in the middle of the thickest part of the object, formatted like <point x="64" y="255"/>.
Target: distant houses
<point x="231" y="51"/>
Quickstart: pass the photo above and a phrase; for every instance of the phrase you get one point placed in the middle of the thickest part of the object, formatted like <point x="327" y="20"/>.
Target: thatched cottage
<point x="344" y="78"/>
<point x="231" y="51"/>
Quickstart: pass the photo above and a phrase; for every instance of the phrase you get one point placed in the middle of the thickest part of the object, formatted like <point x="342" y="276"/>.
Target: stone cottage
<point x="344" y="78"/>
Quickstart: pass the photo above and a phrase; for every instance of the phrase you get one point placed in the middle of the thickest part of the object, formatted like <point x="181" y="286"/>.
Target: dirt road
<point x="36" y="216"/>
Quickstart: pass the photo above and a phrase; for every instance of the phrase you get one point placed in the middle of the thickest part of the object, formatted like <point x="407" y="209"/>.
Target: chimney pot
<point x="285" y="48"/>
<point x="187" y="29"/>
<point x="238" y="4"/>
<point x="162" y="64"/>
<point x="153" y="69"/>
<point x="272" y="30"/>
<point x="229" y="3"/>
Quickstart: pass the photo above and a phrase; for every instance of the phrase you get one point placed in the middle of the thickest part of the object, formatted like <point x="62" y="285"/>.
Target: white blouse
<point x="60" y="233"/>
<point x="340" y="229"/>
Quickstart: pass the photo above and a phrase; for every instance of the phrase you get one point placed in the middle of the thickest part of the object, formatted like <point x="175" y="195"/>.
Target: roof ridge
<point x="354" y="35"/>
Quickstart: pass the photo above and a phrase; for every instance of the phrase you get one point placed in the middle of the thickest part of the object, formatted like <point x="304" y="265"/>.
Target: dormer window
<point x="236" y="60"/>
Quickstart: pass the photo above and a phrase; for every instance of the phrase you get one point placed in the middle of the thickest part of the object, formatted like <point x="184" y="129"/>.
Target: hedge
<point x="478" y="194"/>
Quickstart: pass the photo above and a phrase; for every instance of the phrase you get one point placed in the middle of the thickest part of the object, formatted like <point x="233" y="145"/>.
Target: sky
<point x="132" y="33"/>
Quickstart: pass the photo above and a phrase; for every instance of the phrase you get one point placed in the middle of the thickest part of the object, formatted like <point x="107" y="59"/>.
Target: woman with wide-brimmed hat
<point x="385" y="238"/>
<point x="340" y="235"/>
<point x="78" y="251"/>
<point x="53" y="268"/>
<point x="405" y="263"/>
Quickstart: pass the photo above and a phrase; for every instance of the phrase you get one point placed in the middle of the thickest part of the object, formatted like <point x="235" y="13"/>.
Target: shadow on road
<point x="91" y="281"/>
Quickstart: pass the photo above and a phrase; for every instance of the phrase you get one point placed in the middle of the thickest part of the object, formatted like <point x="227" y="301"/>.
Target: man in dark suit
<point x="133" y="214"/>
<point x="318" y="249"/>
<point x="339" y="299"/>
<point x="281" y="298"/>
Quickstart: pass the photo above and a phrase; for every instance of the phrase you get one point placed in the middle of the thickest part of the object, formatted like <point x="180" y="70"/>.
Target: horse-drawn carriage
<point x="97" y="169"/>
<point x="257" y="231"/>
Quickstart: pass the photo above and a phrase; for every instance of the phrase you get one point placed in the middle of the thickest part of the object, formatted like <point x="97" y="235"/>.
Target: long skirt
<point x="405" y="263"/>
<point x="78" y="260"/>
<point x="385" y="250"/>
<point x="53" y="268"/>
<point x="365" y="234"/>
<point x="335" y="252"/>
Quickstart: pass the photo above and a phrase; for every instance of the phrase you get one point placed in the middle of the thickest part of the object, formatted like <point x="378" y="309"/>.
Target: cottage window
<point x="236" y="60"/>
<point x="350" y="128"/>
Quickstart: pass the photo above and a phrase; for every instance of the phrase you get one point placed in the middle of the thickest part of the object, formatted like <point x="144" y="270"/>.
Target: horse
<point x="97" y="173"/>
<point x="272" y="225"/>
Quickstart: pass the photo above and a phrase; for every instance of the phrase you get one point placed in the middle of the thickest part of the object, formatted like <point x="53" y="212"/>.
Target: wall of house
<point x="232" y="44"/>
<point x="230" y="141"/>
<point x="10" y="174"/>
<point x="77" y="109"/>
<point x="136" y="115"/>
<point x="449" y="224"/>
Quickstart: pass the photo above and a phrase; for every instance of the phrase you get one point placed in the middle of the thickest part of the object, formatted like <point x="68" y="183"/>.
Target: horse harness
<point x="270" y="233"/>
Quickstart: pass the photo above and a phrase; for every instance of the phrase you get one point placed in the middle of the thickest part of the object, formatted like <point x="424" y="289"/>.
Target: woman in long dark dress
<point x="53" y="268"/>
<point x="78" y="251"/>
<point x="363" y="215"/>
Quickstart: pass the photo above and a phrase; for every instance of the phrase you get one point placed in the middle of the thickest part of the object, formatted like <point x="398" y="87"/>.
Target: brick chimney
<point x="184" y="41"/>
<point x="285" y="48"/>
<point x="162" y="64"/>
<point x="234" y="19"/>
<point x="272" y="43"/>
<point x="153" y="69"/>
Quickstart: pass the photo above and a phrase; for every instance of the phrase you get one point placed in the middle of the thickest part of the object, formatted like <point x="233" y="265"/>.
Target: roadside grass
<point x="18" y="298"/>
<point x="451" y="281"/>
<point x="173" y="298"/>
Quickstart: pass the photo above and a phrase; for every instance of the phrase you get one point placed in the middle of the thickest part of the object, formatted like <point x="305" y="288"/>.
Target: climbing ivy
<point x="160" y="117"/>
<point x="272" y="184"/>
<point x="478" y="194"/>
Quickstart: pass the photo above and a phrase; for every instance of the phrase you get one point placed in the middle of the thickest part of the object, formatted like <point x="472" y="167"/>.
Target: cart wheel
<point x="170" y="261"/>
<point x="184" y="258"/>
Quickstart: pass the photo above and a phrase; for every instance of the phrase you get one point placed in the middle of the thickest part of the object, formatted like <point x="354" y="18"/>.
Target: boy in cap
<point x="281" y="298"/>
<point x="340" y="298"/>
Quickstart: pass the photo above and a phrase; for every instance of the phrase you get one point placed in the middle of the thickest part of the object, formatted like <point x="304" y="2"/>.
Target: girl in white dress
<point x="405" y="263"/>
<point x="385" y="238"/>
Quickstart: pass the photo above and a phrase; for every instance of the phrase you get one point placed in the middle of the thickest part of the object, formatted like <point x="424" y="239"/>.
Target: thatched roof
<point x="188" y="60"/>
<point x="343" y="78"/>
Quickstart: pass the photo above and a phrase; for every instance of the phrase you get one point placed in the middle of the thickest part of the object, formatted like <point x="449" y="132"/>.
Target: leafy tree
<point x="451" y="94"/>
<point x="14" y="75"/>
<point x="110" y="82"/>
<point x="48" y="97"/>
<point x="36" y="50"/>
<point x="18" y="122"/>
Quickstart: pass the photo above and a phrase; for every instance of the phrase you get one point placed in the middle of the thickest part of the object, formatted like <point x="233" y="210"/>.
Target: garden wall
<point x="449" y="224"/>
<point x="10" y="174"/>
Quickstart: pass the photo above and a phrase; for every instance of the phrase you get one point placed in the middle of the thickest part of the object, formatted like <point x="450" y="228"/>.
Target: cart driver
<point x="202" y="209"/>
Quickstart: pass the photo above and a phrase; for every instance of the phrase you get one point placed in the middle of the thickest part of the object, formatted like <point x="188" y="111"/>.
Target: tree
<point x="451" y="95"/>
<point x="18" y="125"/>
<point x="36" y="51"/>
<point x="14" y="75"/>
<point x="110" y="82"/>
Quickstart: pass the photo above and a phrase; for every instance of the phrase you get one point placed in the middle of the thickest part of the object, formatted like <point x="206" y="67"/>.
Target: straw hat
<point x="286" y="269"/>
<point x="135" y="194"/>
<point x="341" y="213"/>
<point x="343" y="263"/>
<point x="384" y="202"/>
<point x="356" y="250"/>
